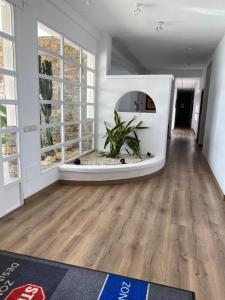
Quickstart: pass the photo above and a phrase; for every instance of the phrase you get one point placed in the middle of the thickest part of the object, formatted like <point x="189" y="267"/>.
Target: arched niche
<point x="136" y="101"/>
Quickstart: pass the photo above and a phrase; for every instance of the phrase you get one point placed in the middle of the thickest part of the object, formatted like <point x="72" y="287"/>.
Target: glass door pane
<point x="10" y="196"/>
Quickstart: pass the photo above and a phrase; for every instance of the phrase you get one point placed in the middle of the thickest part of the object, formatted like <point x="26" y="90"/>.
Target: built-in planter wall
<point x="110" y="89"/>
<point x="153" y="139"/>
<point x="120" y="93"/>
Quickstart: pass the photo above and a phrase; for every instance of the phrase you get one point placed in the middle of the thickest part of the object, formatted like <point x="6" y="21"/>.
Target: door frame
<point x="12" y="195"/>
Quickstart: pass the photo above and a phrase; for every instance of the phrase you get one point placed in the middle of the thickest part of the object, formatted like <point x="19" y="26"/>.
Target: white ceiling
<point x="193" y="30"/>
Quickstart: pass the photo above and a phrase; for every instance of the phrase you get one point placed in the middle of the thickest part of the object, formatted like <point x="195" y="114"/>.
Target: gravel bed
<point x="95" y="158"/>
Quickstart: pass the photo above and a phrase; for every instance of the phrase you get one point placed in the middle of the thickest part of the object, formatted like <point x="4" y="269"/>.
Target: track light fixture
<point x="160" y="26"/>
<point x="137" y="9"/>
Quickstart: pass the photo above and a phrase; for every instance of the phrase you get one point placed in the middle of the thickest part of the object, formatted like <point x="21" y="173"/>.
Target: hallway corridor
<point x="168" y="229"/>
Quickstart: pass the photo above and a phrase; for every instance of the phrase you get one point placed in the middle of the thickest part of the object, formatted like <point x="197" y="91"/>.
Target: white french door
<point x="10" y="177"/>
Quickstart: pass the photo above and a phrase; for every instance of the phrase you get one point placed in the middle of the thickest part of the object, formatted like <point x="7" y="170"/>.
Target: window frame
<point x="63" y="103"/>
<point x="11" y="129"/>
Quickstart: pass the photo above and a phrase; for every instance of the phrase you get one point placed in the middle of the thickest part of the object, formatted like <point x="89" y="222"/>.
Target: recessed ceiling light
<point x="88" y="2"/>
<point x="190" y="48"/>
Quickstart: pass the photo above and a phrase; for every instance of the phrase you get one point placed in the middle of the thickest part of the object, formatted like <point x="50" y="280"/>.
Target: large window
<point x="9" y="131"/>
<point x="66" y="96"/>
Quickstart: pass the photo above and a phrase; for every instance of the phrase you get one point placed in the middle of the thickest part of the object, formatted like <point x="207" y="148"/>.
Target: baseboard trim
<point x="44" y="191"/>
<point x="48" y="189"/>
<point x="221" y="194"/>
<point x="111" y="182"/>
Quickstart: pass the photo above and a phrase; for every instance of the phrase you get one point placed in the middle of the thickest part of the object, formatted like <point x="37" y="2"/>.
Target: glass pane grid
<point x="49" y="90"/>
<point x="71" y="72"/>
<point x="6" y="54"/>
<point x="8" y="106"/>
<point x="76" y="68"/>
<point x="71" y="93"/>
<point x="11" y="171"/>
<point x="49" y="65"/>
<point x="7" y="87"/>
<point x="87" y="128"/>
<point x="50" y="136"/>
<point x="49" y="39"/>
<point x="71" y="113"/>
<point x="8" y="116"/>
<point x="88" y="59"/>
<point x="87" y="144"/>
<point x="50" y="114"/>
<point x="71" y="132"/>
<point x="6" y="23"/>
<point x="72" y="150"/>
<point x="51" y="158"/>
<point x="71" y="51"/>
<point x="9" y="144"/>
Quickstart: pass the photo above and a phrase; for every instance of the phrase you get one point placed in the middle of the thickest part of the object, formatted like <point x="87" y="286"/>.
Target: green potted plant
<point x="122" y="136"/>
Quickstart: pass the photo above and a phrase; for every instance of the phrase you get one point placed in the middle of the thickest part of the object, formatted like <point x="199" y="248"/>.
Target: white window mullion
<point x="72" y="142"/>
<point x="5" y="102"/>
<point x="10" y="157"/>
<point x="9" y="130"/>
<point x="7" y="36"/>
<point x="7" y="72"/>
<point x="72" y="123"/>
<point x="50" y="52"/>
<point x="53" y="102"/>
<point x="49" y="148"/>
<point x="44" y="76"/>
<point x="62" y="98"/>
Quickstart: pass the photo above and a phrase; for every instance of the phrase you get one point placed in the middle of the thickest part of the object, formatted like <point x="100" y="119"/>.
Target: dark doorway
<point x="204" y="106"/>
<point x="184" y="108"/>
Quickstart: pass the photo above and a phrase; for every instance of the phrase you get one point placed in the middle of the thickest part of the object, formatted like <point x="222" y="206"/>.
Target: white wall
<point x="179" y="73"/>
<point x="123" y="62"/>
<point x="153" y="139"/>
<point x="172" y="99"/>
<point x="111" y="88"/>
<point x="205" y="85"/>
<point x="196" y="108"/>
<point x="214" y="138"/>
<point x="27" y="62"/>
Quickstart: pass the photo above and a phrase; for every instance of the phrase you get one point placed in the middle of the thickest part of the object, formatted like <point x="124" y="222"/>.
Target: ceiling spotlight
<point x="88" y="2"/>
<point x="137" y="9"/>
<point x="160" y="26"/>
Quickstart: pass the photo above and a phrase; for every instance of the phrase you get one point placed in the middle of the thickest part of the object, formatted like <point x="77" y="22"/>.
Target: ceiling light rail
<point x="160" y="26"/>
<point x="137" y="9"/>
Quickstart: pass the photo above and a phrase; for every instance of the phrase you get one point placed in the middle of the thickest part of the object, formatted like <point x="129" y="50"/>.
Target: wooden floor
<point x="169" y="229"/>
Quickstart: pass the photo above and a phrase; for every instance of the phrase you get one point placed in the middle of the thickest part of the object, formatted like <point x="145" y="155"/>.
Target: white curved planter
<point x="110" y="172"/>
